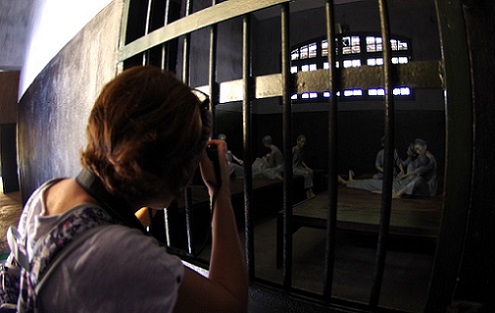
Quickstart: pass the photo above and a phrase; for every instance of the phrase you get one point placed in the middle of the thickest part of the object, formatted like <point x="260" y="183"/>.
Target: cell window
<point x="305" y="68"/>
<point x="346" y="41"/>
<point x="403" y="60"/>
<point x="355" y="44"/>
<point x="294" y="96"/>
<point x="324" y="48"/>
<point x="393" y="43"/>
<point x="293" y="69"/>
<point x="313" y="67"/>
<point x="376" y="92"/>
<point x="294" y="55"/>
<point x="352" y="63"/>
<point x="326" y="94"/>
<point x="370" y="44"/>
<point x="347" y="93"/>
<point x="402" y="91"/>
<point x="353" y="92"/>
<point x="313" y="50"/>
<point x="304" y="52"/>
<point x="313" y="95"/>
<point x="346" y="45"/>
<point x="373" y="44"/>
<point x="402" y="45"/>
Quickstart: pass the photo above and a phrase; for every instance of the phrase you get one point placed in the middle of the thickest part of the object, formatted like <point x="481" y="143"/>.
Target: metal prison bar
<point x="417" y="74"/>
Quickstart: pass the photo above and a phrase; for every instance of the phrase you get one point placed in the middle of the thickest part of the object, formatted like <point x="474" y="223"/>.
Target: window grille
<point x="161" y="32"/>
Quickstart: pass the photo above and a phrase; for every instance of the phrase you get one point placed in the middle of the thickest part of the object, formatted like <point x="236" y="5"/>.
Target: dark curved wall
<point x="53" y="111"/>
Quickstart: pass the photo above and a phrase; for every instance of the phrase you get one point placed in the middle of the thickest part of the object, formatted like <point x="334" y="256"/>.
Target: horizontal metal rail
<point x="416" y="74"/>
<point x="212" y="15"/>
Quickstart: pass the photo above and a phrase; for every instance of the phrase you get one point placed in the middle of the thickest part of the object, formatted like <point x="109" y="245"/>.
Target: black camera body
<point x="212" y="153"/>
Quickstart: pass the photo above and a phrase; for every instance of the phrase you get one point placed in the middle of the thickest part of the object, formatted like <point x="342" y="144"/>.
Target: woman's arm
<point x="226" y="288"/>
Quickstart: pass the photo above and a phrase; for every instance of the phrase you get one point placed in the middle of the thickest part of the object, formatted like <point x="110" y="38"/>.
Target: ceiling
<point x="15" y="16"/>
<point x="15" y="27"/>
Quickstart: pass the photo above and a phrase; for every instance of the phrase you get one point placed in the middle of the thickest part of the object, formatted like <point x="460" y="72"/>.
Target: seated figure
<point x="419" y="180"/>
<point x="234" y="163"/>
<point x="299" y="167"/>
<point x="270" y="165"/>
<point x="422" y="179"/>
<point x="380" y="162"/>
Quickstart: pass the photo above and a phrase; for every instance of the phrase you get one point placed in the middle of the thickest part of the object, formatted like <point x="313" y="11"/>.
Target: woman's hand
<point x="208" y="170"/>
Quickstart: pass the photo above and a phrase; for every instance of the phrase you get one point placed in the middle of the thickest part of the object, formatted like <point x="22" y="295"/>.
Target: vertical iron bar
<point x="146" y="54"/>
<point x="164" y="52"/>
<point x="287" y="139"/>
<point x="212" y="79"/>
<point x="188" y="192"/>
<point x="246" y="124"/>
<point x="187" y="48"/>
<point x="165" y="45"/>
<point x="457" y="75"/>
<point x="123" y="32"/>
<point x="167" y="228"/>
<point x="332" y="153"/>
<point x="167" y="12"/>
<point x="386" y="197"/>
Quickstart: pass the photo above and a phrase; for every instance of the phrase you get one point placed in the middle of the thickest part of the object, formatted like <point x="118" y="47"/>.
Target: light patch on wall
<point x="54" y="24"/>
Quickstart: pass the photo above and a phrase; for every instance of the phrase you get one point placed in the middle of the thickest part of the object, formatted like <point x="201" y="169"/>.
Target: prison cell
<point x="158" y="32"/>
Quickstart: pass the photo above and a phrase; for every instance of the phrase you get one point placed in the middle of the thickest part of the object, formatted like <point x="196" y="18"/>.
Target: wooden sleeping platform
<point x="264" y="203"/>
<point x="359" y="211"/>
<point x="200" y="193"/>
<point x="263" y="190"/>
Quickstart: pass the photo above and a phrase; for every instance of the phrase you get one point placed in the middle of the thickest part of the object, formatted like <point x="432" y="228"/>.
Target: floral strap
<point x="70" y="226"/>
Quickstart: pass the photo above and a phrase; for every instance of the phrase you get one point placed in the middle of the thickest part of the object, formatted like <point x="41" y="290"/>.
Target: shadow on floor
<point x="405" y="282"/>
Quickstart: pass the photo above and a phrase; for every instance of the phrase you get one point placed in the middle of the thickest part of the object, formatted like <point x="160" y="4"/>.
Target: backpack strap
<point x="60" y="257"/>
<point x="72" y="228"/>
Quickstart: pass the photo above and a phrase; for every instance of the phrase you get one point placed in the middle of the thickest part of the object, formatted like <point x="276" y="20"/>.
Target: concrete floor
<point x="405" y="282"/>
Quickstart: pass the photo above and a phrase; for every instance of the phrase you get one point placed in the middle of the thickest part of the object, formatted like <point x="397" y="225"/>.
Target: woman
<point x="147" y="132"/>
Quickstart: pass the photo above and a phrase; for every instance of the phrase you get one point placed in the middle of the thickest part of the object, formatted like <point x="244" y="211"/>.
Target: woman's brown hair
<point x="145" y="134"/>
